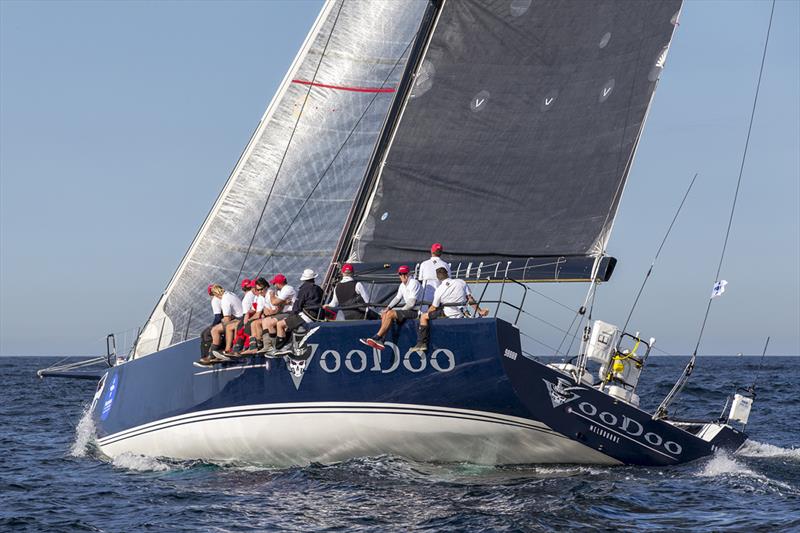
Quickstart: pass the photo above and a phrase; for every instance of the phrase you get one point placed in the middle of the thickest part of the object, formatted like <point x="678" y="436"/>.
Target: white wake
<point x="753" y="448"/>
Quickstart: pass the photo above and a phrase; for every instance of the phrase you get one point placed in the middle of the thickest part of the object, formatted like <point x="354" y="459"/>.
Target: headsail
<point x="520" y="130"/>
<point x="287" y="199"/>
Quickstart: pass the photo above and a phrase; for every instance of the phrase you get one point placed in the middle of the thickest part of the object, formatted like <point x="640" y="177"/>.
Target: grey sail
<point x="287" y="199"/>
<point x="519" y="133"/>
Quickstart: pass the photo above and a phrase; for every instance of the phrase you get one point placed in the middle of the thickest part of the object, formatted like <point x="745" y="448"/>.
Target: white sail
<point x="284" y="205"/>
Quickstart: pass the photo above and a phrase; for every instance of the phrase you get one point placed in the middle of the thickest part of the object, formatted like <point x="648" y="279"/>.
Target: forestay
<point x="520" y="130"/>
<point x="284" y="205"/>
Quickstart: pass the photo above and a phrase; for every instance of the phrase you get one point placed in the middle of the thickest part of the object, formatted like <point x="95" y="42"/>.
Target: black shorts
<point x="294" y="321"/>
<point x="436" y="313"/>
<point x="405" y="314"/>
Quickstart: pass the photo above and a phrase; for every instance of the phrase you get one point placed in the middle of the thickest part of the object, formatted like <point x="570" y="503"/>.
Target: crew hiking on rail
<point x="262" y="321"/>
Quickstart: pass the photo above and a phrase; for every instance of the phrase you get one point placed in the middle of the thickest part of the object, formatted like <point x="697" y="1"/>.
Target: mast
<point x="372" y="174"/>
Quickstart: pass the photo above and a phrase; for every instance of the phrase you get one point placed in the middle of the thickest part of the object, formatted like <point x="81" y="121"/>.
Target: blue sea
<point x="53" y="479"/>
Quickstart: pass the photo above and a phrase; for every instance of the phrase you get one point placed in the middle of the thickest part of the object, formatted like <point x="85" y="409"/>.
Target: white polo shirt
<point x="452" y="291"/>
<point x="408" y="293"/>
<point x="216" y="306"/>
<point x="287" y="294"/>
<point x="248" y="301"/>
<point x="231" y="305"/>
<point x="427" y="275"/>
<point x="262" y="303"/>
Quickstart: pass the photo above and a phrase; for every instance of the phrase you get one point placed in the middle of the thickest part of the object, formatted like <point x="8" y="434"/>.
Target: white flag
<point x="719" y="288"/>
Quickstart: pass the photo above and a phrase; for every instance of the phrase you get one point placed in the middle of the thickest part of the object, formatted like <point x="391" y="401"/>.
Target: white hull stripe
<point x="322" y="408"/>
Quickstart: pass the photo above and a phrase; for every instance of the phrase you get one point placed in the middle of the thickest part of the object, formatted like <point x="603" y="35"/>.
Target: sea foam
<point x="84" y="435"/>
<point x="753" y="448"/>
<point x="139" y="463"/>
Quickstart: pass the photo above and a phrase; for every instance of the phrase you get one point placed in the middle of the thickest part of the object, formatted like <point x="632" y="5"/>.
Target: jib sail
<point x="284" y="205"/>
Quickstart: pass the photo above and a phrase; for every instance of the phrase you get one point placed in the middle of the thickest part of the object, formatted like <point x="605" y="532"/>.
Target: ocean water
<point x="53" y="479"/>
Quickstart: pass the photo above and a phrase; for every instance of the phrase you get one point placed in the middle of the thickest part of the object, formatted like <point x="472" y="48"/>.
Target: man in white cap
<point x="427" y="273"/>
<point x="307" y="307"/>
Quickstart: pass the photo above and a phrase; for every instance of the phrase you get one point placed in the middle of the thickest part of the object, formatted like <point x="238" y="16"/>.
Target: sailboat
<point x="505" y="129"/>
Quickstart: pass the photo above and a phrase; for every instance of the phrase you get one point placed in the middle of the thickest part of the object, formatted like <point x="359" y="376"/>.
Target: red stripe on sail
<point x="345" y="88"/>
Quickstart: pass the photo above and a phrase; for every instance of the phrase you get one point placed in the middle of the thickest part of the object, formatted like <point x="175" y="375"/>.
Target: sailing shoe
<point x="219" y="355"/>
<point x="419" y="347"/>
<point x="375" y="343"/>
<point x="208" y="361"/>
<point x="284" y="350"/>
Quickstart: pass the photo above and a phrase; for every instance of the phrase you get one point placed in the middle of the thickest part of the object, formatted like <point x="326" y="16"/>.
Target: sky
<point x="121" y="121"/>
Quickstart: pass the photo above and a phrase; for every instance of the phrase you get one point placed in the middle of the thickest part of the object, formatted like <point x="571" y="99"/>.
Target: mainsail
<point x="284" y="205"/>
<point x="519" y="132"/>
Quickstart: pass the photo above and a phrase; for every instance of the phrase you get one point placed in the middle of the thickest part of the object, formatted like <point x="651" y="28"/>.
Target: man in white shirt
<point x="207" y="341"/>
<point x="253" y="304"/>
<point x="408" y="292"/>
<point x="232" y="313"/>
<point x="427" y="273"/>
<point x="450" y="300"/>
<point x="280" y="297"/>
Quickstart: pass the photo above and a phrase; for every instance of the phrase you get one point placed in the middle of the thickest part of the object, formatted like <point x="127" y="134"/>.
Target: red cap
<point x="437" y="247"/>
<point x="403" y="270"/>
<point x="211" y="286"/>
<point x="347" y="267"/>
<point x="246" y="284"/>
<point x="278" y="278"/>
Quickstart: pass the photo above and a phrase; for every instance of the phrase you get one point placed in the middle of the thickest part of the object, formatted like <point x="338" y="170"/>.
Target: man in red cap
<point x="351" y="295"/>
<point x="280" y="296"/>
<point x="427" y="273"/>
<point x="408" y="292"/>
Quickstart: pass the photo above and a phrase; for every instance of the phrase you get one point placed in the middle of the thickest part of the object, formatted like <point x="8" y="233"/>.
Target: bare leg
<point x="424" y="319"/>
<point x="387" y="317"/>
<point x="270" y="325"/>
<point x="256" y="330"/>
<point x="216" y="334"/>
<point x="230" y="333"/>
<point x="281" y="327"/>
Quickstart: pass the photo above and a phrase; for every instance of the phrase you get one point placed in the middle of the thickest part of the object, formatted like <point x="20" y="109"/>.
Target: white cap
<point x="308" y="274"/>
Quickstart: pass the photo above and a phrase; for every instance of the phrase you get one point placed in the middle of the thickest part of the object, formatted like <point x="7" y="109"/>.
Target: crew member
<point x="206" y="339"/>
<point x="408" y="292"/>
<point x="427" y="273"/>
<point x="280" y="298"/>
<point x="231" y="316"/>
<point x="448" y="300"/>
<point x="351" y="295"/>
<point x="306" y="308"/>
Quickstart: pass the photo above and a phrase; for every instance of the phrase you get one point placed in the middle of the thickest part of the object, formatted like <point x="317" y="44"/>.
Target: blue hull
<point x="472" y="397"/>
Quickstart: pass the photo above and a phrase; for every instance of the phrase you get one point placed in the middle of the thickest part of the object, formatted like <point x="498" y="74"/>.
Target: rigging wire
<point x="289" y="143"/>
<point x="758" y="370"/>
<point x="333" y="160"/>
<point x="663" y="241"/>
<point x="661" y="412"/>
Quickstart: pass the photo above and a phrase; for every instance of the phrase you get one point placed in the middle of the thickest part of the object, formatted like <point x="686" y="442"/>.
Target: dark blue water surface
<point x="52" y="480"/>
